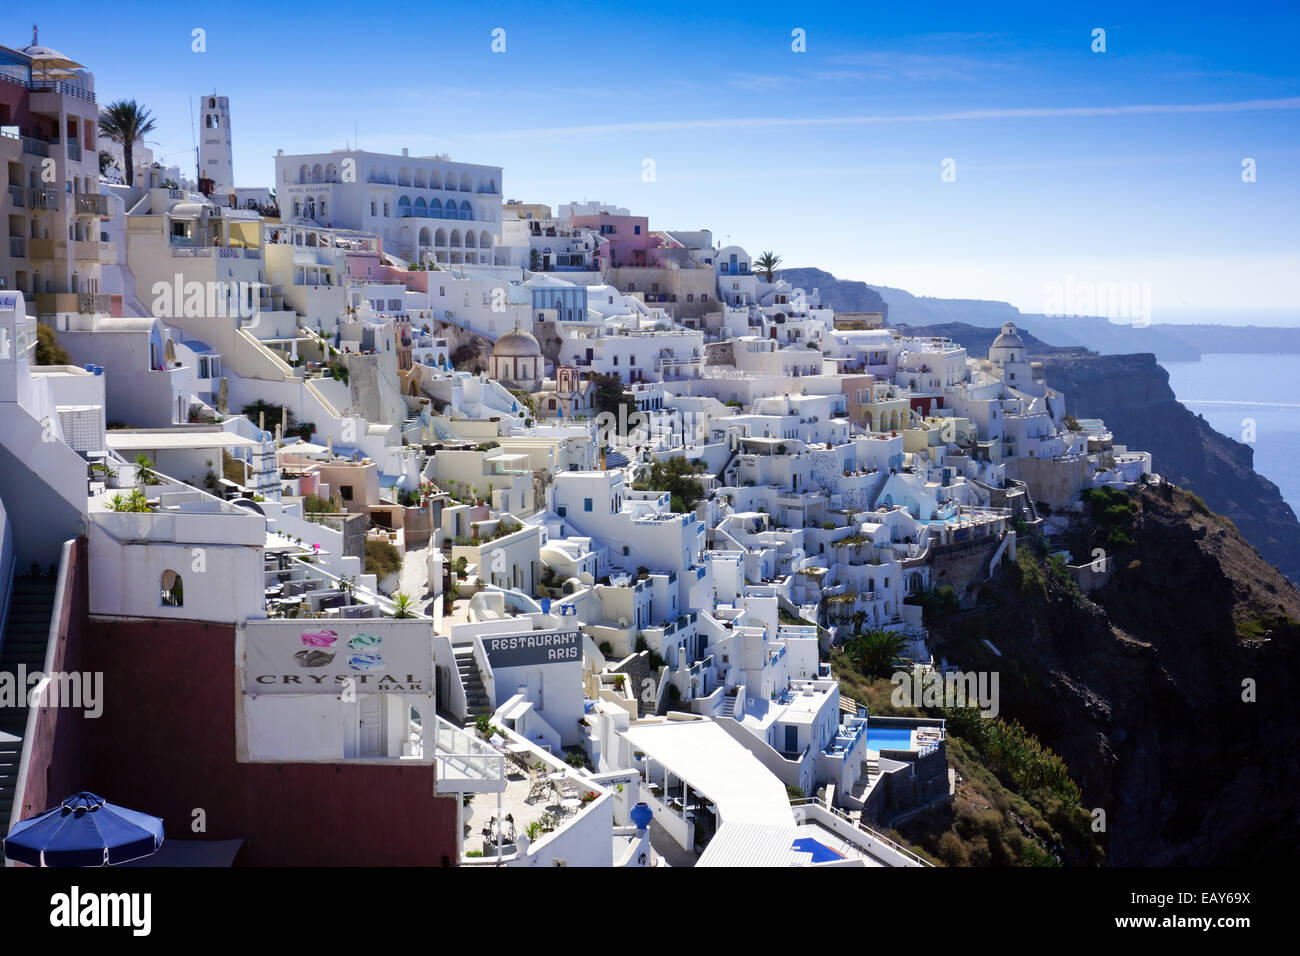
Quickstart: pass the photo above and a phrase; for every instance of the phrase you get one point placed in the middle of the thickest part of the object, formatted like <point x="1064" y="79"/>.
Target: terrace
<point x="540" y="798"/>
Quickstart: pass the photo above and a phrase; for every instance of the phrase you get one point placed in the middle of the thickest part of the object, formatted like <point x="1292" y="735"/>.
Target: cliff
<point x="1132" y="394"/>
<point x="842" y="295"/>
<point x="1140" y="688"/>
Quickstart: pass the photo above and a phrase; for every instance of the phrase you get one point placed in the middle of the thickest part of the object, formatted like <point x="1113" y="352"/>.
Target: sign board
<point x="328" y="656"/>
<point x="533" y="648"/>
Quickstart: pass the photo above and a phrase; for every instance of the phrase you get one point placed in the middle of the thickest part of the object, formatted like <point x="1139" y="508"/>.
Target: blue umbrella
<point x="84" y="830"/>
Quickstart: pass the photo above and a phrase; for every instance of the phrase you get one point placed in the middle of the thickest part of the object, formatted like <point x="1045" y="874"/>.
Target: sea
<point x="1234" y="392"/>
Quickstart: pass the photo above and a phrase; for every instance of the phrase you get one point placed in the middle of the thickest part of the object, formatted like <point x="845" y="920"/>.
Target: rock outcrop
<point x="1171" y="693"/>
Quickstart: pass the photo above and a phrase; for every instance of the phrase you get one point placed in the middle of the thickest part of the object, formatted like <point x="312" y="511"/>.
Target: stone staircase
<point x="26" y="636"/>
<point x="476" y="698"/>
<point x="729" y="705"/>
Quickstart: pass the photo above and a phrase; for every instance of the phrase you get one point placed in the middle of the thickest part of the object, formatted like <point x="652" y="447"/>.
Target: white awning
<point x="174" y="440"/>
<point x="718" y="766"/>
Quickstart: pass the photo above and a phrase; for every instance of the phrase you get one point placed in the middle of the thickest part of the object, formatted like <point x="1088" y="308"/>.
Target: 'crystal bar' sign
<point x="533" y="648"/>
<point x="323" y="656"/>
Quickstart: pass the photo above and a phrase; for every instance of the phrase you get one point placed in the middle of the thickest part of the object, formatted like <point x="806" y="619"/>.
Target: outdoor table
<point x="570" y="803"/>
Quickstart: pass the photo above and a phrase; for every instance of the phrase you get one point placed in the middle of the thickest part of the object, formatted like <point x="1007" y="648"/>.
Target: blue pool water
<point x="888" y="738"/>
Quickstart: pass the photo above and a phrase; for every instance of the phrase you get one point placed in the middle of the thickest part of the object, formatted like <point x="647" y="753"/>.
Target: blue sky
<point x="1122" y="166"/>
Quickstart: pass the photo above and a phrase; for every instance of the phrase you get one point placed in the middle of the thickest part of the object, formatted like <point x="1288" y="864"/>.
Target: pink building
<point x="624" y="240"/>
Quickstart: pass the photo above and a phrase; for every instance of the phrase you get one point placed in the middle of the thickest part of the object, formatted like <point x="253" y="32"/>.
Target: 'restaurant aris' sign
<point x="331" y="656"/>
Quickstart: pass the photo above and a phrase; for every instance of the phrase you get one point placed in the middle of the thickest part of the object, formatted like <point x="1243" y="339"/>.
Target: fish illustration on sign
<point x="321" y="638"/>
<point x="365" y="662"/>
<point x="313" y="658"/>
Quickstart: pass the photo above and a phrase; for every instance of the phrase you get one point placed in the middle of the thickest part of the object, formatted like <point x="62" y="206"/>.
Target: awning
<point x="717" y="765"/>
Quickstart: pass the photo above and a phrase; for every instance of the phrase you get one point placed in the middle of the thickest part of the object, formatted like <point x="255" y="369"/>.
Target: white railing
<point x="465" y="763"/>
<point x="842" y="817"/>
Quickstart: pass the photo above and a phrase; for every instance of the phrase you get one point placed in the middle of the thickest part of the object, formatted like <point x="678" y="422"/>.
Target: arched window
<point x="212" y="102"/>
<point x="440" y="238"/>
<point x="403" y="207"/>
<point x="465" y="211"/>
<point x="465" y="185"/>
<point x="420" y="179"/>
<point x="421" y="209"/>
<point x="303" y="173"/>
<point x="404" y="176"/>
<point x="485" y="240"/>
<point x="455" y="238"/>
<point x="435" y="209"/>
<point x="435" y="180"/>
<point x="316" y="173"/>
<point x="170" y="591"/>
<point x="469" y="239"/>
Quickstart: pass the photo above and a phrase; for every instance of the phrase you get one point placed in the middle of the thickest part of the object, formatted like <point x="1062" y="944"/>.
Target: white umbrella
<point x="49" y="60"/>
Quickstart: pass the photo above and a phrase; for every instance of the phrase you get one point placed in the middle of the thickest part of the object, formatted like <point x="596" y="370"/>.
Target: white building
<point x="425" y="208"/>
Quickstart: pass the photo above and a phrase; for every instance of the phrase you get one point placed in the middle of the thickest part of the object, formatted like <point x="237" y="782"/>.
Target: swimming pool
<point x="888" y="738"/>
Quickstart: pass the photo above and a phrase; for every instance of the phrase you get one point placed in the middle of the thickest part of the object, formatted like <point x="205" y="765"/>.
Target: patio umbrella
<point x="84" y="830"/>
<point x="51" y="63"/>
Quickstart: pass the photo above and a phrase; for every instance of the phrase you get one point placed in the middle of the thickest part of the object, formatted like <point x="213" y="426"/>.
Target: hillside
<point x="1132" y="394"/>
<point x="842" y="295"/>
<point x="1140" y="690"/>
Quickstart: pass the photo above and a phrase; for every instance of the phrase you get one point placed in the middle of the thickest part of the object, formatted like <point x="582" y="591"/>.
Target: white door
<point x="370" y="731"/>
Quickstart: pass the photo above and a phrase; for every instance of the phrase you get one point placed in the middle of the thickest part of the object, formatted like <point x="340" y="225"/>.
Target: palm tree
<point x="124" y="122"/>
<point x="766" y="264"/>
<point x="874" y="650"/>
<point x="144" y="473"/>
<point x="402" y="605"/>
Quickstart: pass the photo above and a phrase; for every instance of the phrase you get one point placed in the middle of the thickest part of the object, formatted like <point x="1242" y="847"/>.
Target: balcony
<point x="35" y="147"/>
<point x="74" y="152"/>
<point x="62" y="87"/>
<point x="85" y="250"/>
<point x="40" y="248"/>
<point x="43" y="198"/>
<point x="89" y="204"/>
<point x="18" y="196"/>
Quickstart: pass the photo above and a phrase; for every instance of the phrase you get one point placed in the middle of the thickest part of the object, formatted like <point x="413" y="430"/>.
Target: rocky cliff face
<point x="842" y="295"/>
<point x="1132" y="394"/>
<point x="1140" y="689"/>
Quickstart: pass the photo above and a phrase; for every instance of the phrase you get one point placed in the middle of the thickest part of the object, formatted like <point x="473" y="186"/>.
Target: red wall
<point x="165" y="744"/>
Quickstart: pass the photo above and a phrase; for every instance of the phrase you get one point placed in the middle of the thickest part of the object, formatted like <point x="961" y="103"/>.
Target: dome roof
<point x="1009" y="339"/>
<point x="516" y="343"/>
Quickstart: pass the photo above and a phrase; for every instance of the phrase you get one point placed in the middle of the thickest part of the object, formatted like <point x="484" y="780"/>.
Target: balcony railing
<point x="59" y="86"/>
<point x="74" y="152"/>
<point x="89" y="303"/>
<point x="43" y="198"/>
<point x="90" y="204"/>
<point x="35" y="147"/>
<point x="18" y="196"/>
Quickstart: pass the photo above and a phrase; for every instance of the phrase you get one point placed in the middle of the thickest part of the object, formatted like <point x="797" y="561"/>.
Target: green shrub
<point x="382" y="558"/>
